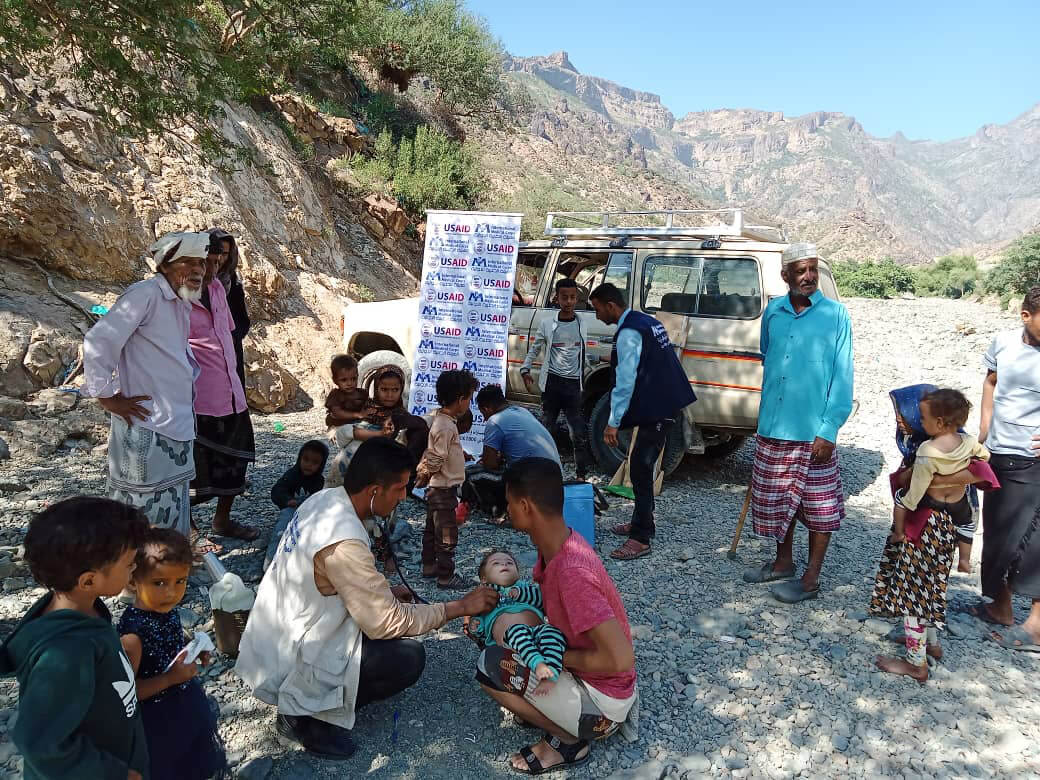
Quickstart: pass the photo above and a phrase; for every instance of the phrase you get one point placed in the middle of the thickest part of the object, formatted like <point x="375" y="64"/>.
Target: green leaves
<point x="1018" y="269"/>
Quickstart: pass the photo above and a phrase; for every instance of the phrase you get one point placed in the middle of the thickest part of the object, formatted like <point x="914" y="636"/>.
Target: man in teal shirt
<point x="806" y="346"/>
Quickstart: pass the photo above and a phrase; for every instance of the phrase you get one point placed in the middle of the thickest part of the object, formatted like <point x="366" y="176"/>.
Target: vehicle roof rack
<point x="691" y="223"/>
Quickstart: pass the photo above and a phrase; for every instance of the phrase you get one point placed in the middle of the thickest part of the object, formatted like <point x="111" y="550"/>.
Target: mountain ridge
<point x="821" y="174"/>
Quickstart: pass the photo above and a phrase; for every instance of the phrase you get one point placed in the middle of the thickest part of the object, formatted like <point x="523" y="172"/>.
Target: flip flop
<point x="1015" y="638"/>
<point x="979" y="612"/>
<point x="765" y="573"/>
<point x="629" y="551"/>
<point x="791" y="592"/>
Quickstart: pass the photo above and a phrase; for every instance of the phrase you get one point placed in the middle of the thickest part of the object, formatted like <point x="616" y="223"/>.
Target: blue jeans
<point x="284" y="516"/>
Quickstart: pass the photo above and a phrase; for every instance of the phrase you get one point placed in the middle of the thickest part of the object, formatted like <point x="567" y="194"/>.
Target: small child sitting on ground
<point x="518" y="622"/>
<point x="77" y="705"/>
<point x="181" y="727"/>
<point x="296" y="485"/>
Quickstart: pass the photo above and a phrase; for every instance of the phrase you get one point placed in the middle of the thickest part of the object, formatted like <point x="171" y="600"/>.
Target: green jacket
<point x="77" y="702"/>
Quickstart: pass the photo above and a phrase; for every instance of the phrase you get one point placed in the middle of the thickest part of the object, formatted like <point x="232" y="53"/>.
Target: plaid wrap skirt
<point x="785" y="484"/>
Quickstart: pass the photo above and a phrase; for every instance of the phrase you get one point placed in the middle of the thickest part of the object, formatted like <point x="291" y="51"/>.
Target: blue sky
<point x="936" y="70"/>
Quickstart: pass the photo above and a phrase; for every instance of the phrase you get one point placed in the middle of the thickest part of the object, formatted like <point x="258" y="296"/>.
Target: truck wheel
<point x="724" y="448"/>
<point x="373" y="361"/>
<point x="610" y="458"/>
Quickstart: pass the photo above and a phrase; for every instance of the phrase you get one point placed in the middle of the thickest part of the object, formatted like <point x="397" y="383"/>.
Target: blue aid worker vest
<point x="661" y="388"/>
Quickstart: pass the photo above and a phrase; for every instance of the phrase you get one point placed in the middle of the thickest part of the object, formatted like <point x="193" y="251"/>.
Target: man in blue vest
<point x="650" y="391"/>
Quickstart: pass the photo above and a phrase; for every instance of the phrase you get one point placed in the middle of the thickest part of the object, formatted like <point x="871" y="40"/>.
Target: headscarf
<point x="375" y="411"/>
<point x="188" y="245"/>
<point x="228" y="272"/>
<point x="907" y="404"/>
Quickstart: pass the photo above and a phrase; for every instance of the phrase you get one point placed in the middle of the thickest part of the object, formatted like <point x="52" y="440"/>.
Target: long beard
<point x="185" y="293"/>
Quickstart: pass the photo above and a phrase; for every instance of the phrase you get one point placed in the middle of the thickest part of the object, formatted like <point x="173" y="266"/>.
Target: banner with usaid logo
<point x="465" y="301"/>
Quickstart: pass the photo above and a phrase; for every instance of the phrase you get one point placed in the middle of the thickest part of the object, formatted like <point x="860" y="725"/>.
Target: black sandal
<point x="569" y="754"/>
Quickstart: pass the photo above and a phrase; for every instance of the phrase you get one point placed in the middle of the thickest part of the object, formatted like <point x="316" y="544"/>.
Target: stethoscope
<point x="382" y="522"/>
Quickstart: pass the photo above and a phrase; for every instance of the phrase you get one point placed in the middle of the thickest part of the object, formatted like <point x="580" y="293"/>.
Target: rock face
<point x="86" y="204"/>
<point x="314" y="126"/>
<point x="820" y="174"/>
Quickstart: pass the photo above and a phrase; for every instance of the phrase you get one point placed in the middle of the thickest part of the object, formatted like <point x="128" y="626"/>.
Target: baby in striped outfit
<point x="518" y="622"/>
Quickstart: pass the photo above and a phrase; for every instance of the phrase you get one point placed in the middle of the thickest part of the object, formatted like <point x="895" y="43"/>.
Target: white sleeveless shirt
<point x="301" y="651"/>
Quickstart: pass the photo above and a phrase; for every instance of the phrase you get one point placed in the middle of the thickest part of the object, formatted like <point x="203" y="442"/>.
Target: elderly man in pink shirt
<point x="137" y="363"/>
<point x="224" y="445"/>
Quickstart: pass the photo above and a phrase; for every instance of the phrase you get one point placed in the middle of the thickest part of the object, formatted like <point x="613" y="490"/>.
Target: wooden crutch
<point x="732" y="554"/>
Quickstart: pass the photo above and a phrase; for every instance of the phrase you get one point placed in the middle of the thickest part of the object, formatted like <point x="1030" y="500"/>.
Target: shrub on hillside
<point x="953" y="276"/>
<point x="1018" y="269"/>
<point x="870" y="279"/>
<point x="427" y="171"/>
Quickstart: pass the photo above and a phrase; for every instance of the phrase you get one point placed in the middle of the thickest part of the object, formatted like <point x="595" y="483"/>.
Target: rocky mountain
<point x="822" y="175"/>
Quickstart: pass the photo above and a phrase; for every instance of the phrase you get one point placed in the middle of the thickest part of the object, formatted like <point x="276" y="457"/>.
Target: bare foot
<point x="935" y="651"/>
<point x="964" y="567"/>
<point x="899" y="666"/>
<point x="544" y="672"/>
<point x="543" y="687"/>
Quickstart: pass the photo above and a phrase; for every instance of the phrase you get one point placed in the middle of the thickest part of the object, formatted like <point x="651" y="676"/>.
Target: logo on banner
<point x="445" y="279"/>
<point x="439" y="364"/>
<point x="423" y="378"/>
<point x="452" y="228"/>
<point x="486" y="318"/>
<point x="441" y="296"/>
<point x="454" y="262"/>
<point x="494" y="248"/>
<point x="420" y="411"/>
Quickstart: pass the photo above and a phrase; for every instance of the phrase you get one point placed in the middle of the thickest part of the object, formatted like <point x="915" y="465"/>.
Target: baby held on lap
<point x="518" y="622"/>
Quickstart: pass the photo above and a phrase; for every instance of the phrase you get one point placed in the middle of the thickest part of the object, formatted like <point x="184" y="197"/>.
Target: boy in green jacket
<point x="77" y="702"/>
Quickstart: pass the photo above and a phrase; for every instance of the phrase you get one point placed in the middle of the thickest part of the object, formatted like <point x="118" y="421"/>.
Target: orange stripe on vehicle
<point x="731" y="387"/>
<point x="718" y="355"/>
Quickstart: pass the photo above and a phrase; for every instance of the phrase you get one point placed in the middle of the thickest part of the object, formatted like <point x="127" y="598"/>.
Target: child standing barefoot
<point x="180" y="726"/>
<point x="915" y="565"/>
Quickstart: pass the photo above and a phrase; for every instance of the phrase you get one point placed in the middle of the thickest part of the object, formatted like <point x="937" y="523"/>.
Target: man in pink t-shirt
<point x="596" y="690"/>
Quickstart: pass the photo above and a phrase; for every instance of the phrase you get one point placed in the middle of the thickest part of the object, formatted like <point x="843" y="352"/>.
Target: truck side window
<point x="618" y="273"/>
<point x="585" y="269"/>
<point x="529" y="269"/>
<point x="702" y="286"/>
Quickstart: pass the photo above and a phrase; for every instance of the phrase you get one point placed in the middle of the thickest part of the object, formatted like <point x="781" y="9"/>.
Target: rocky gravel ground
<point x="732" y="682"/>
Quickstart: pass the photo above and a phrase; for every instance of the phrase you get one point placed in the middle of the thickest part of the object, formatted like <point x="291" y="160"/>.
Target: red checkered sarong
<point x="785" y="485"/>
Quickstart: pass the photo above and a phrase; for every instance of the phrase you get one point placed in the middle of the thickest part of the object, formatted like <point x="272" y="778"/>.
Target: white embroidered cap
<point x="801" y="251"/>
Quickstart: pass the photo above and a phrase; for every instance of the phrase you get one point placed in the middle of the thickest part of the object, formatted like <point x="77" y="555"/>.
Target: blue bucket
<point x="579" y="511"/>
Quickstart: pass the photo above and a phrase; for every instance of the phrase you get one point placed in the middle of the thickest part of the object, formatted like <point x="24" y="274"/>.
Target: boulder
<point x="42" y="362"/>
<point x="388" y="211"/>
<point x="269" y="387"/>
<point x="53" y="402"/>
<point x="13" y="408"/>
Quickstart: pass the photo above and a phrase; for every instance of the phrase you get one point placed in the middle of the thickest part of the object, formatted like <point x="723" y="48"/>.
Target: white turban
<point x="796" y="252"/>
<point x="191" y="245"/>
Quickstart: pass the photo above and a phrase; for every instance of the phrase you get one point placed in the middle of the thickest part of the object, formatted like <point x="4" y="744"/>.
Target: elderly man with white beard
<point x="137" y="363"/>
